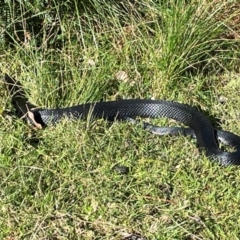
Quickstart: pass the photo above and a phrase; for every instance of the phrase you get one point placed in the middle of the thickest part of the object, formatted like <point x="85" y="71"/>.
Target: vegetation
<point x="60" y="183"/>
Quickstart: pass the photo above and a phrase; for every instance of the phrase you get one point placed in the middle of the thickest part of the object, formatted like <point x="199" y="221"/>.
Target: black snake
<point x="199" y="125"/>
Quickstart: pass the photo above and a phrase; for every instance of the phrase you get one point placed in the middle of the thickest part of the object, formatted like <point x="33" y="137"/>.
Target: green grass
<point x="65" y="186"/>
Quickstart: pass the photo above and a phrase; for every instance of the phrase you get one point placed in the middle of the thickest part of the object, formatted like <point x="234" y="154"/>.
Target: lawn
<point x="60" y="182"/>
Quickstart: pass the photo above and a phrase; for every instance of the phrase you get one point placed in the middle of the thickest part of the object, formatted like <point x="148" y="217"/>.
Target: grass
<point x="60" y="183"/>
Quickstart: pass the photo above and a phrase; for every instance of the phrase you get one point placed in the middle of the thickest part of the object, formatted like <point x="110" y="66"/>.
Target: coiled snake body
<point x="125" y="109"/>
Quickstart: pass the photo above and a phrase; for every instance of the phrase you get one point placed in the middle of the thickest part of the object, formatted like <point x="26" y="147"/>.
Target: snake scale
<point x="199" y="125"/>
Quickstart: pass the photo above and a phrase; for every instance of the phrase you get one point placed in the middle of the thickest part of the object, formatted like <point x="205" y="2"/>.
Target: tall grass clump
<point x="190" y="42"/>
<point x="73" y="46"/>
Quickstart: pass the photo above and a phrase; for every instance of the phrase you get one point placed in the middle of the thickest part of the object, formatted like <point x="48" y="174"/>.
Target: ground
<point x="60" y="182"/>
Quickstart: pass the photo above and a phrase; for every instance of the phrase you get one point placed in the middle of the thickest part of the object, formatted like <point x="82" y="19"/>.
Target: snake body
<point x="133" y="108"/>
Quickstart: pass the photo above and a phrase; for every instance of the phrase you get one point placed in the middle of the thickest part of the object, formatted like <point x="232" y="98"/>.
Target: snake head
<point x="18" y="96"/>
